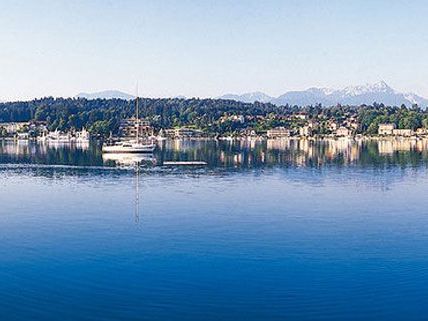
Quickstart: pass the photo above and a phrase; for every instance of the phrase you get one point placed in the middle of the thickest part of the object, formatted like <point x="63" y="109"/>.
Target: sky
<point x="199" y="48"/>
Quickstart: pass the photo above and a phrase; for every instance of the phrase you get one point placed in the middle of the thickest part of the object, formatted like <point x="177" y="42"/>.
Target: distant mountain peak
<point x="250" y="97"/>
<point x="380" y="86"/>
<point x="106" y="94"/>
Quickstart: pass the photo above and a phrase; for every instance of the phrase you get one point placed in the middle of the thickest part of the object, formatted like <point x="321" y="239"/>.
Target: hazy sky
<point x="207" y="48"/>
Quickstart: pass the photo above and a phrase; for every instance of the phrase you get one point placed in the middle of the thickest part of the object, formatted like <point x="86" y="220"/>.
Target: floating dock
<point x="184" y="163"/>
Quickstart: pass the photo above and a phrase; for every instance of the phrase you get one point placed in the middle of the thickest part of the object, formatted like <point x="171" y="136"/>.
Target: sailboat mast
<point x="137" y="115"/>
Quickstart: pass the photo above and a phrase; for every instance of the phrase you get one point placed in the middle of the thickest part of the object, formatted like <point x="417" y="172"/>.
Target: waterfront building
<point x="343" y="132"/>
<point x="402" y="132"/>
<point x="386" y="129"/>
<point x="182" y="132"/>
<point x="167" y="132"/>
<point x="278" y="132"/>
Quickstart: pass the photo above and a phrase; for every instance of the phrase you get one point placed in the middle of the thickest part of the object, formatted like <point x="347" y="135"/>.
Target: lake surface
<point x="278" y="230"/>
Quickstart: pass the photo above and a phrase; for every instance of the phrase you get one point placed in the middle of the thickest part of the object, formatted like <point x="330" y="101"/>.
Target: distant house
<point x="239" y="118"/>
<point x="421" y="131"/>
<point x="168" y="132"/>
<point x="233" y="118"/>
<point x="249" y="132"/>
<point x="301" y="116"/>
<point x="278" y="132"/>
<point x="14" y="127"/>
<point x="332" y="126"/>
<point x="386" y="129"/>
<point x="402" y="132"/>
<point x="343" y="132"/>
<point x="182" y="132"/>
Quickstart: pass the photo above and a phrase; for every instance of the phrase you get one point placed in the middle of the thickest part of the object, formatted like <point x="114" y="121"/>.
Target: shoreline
<point x="242" y="138"/>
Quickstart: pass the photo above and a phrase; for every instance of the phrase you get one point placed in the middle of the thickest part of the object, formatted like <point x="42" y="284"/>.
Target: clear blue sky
<point x="207" y="48"/>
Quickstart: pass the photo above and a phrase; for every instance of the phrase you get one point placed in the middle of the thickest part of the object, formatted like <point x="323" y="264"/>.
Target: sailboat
<point x="136" y="146"/>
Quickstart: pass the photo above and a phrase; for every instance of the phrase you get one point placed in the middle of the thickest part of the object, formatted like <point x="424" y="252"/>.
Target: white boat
<point x="136" y="146"/>
<point x="129" y="147"/>
<point x="57" y="137"/>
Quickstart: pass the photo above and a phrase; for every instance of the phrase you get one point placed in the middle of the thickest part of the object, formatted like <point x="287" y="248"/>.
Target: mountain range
<point x="109" y="94"/>
<point x="356" y="95"/>
<point x="378" y="92"/>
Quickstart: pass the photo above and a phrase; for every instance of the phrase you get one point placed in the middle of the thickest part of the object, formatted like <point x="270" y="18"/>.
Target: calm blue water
<point x="318" y="233"/>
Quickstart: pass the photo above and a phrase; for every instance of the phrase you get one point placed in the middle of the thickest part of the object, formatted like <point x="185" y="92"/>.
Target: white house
<point x="386" y="129"/>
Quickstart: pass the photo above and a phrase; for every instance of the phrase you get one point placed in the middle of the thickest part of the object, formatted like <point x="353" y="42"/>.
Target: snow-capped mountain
<point x="356" y="95"/>
<point x="106" y="94"/>
<point x="379" y="92"/>
<point x="379" y="87"/>
<point x="249" y="97"/>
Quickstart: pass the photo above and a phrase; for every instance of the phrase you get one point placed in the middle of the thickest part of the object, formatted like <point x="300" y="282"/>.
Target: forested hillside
<point x="102" y="116"/>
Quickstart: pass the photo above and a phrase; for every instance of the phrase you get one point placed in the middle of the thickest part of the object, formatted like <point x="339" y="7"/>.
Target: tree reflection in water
<point x="239" y="154"/>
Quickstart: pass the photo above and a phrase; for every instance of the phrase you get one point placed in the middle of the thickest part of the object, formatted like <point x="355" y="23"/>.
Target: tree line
<point x="103" y="116"/>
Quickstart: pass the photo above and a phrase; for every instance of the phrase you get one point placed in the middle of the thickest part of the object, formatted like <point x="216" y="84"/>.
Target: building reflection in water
<point x="48" y="154"/>
<point x="390" y="146"/>
<point x="236" y="154"/>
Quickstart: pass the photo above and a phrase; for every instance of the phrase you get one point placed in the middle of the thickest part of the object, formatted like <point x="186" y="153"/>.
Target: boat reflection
<point x="123" y="159"/>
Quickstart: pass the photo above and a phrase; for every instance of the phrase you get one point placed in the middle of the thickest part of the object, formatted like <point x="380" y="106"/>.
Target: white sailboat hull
<point x="127" y="149"/>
